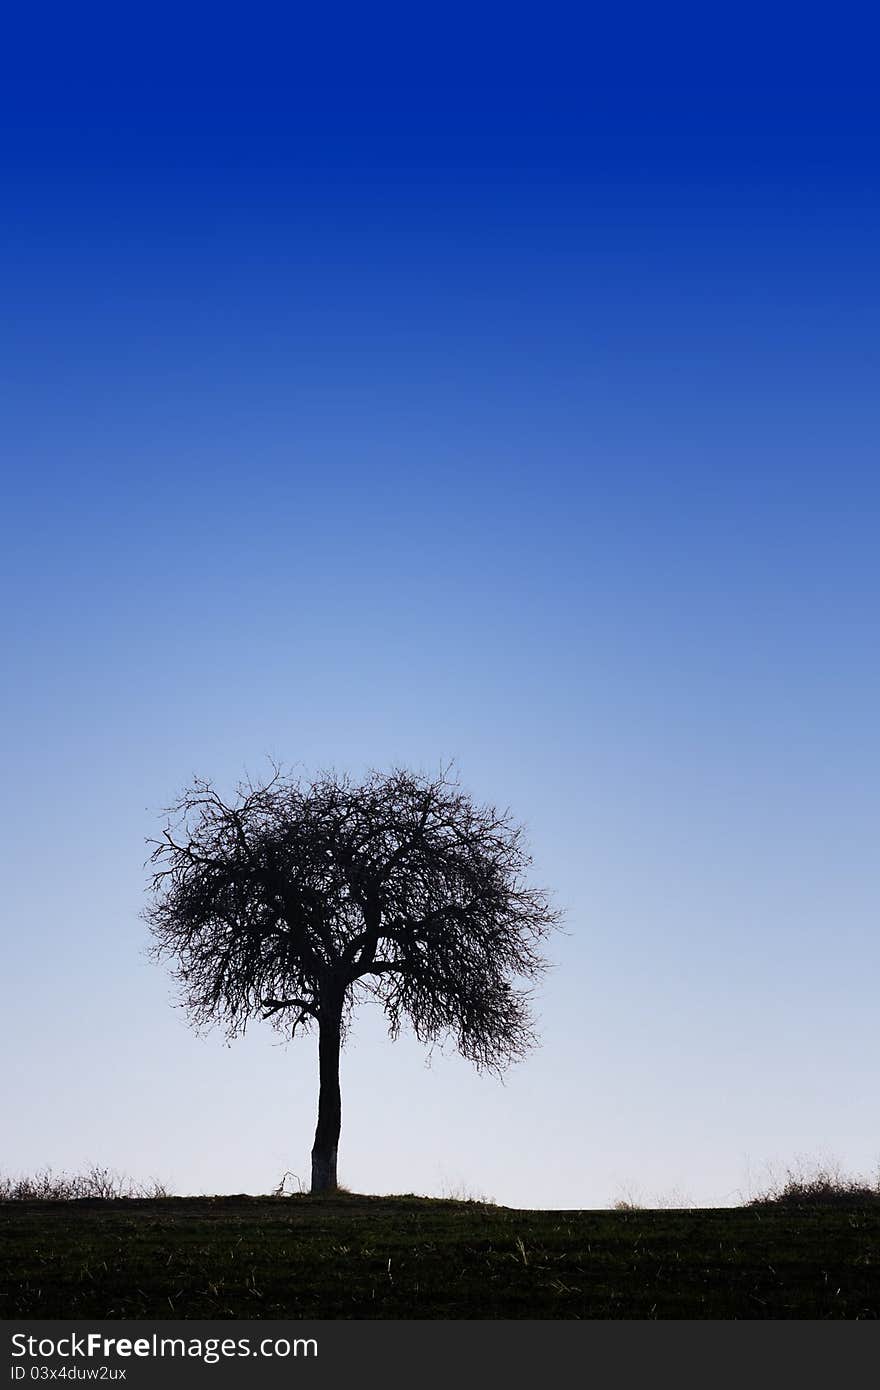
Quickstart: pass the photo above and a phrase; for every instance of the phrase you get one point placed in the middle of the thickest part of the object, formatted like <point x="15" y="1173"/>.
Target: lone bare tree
<point x="295" y="899"/>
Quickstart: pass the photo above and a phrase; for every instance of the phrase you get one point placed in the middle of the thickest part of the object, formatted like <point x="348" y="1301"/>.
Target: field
<point x="411" y="1257"/>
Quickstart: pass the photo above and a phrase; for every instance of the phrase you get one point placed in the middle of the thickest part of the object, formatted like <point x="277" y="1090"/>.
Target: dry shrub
<point x="822" y="1186"/>
<point x="96" y="1183"/>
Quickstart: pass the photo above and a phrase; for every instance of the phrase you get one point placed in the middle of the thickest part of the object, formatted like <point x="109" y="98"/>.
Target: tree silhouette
<point x="296" y="899"/>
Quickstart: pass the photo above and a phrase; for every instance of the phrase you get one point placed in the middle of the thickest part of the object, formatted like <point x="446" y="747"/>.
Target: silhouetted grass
<point x="412" y="1257"/>
<point x="97" y="1182"/>
<point x="825" y="1187"/>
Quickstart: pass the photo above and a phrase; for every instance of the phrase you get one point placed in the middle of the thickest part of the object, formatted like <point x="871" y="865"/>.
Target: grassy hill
<point x="411" y="1257"/>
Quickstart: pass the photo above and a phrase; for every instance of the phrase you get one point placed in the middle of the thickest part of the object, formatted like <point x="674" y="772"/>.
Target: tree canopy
<point x="294" y="899"/>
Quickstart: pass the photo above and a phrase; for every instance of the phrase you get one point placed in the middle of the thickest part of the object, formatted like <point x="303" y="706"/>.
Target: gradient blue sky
<point x="376" y="425"/>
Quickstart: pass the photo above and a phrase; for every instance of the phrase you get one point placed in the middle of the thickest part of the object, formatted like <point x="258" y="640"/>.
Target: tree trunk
<point x="329" y="1105"/>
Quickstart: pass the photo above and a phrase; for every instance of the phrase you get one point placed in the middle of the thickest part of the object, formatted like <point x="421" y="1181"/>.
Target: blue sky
<point x="391" y="425"/>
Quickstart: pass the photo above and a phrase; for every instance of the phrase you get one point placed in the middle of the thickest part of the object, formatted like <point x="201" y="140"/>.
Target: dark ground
<point x="411" y="1257"/>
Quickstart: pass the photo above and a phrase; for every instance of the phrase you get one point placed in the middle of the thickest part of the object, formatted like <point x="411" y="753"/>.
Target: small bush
<point x="629" y="1199"/>
<point x="673" y="1201"/>
<point x="460" y="1192"/>
<point x="96" y="1183"/>
<point x="825" y="1187"/>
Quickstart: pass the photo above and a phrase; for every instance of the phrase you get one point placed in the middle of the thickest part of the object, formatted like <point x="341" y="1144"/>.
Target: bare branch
<point x="280" y="903"/>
